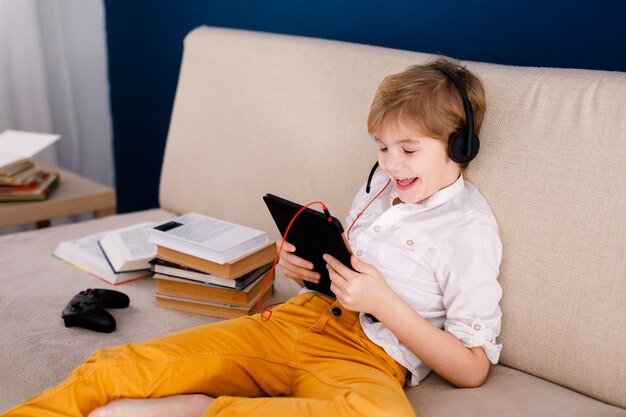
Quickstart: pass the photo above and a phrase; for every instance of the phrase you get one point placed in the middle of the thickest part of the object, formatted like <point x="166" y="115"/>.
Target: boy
<point x="423" y="293"/>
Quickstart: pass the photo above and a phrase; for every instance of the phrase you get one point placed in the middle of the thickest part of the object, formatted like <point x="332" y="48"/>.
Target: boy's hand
<point x="296" y="268"/>
<point x="364" y="290"/>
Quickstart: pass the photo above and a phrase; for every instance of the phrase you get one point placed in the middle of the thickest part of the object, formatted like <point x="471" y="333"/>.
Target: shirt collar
<point x="440" y="197"/>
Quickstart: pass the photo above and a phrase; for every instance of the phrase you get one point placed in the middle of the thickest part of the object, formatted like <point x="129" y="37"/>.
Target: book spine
<point x="210" y="293"/>
<point x="221" y="311"/>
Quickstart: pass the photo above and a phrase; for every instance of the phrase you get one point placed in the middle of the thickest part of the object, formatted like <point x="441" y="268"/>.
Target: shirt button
<point x="336" y="311"/>
<point x="409" y="242"/>
<point x="359" y="253"/>
<point x="377" y="228"/>
<point x="477" y="327"/>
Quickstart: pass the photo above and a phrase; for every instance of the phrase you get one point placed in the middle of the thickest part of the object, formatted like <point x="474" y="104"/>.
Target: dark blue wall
<point x="145" y="47"/>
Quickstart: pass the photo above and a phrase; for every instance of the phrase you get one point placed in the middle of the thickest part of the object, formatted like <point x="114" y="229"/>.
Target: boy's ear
<point x="463" y="147"/>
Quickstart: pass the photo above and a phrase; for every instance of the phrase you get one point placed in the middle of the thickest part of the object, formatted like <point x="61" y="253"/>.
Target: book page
<point x="6" y="159"/>
<point x="212" y="233"/>
<point x="135" y="242"/>
<point x="24" y="144"/>
<point x="89" y="247"/>
<point x="204" y="231"/>
<point x="85" y="253"/>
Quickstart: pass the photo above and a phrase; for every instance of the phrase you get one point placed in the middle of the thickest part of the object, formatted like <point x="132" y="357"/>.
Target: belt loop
<point x="321" y="323"/>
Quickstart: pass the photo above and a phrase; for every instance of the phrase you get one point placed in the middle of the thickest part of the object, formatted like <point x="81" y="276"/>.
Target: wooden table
<point x="73" y="195"/>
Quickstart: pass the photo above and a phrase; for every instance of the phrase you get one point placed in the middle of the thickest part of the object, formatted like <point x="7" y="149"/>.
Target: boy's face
<point x="418" y="165"/>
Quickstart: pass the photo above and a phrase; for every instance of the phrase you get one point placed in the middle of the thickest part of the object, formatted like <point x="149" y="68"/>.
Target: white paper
<point x="16" y="145"/>
<point x="213" y="233"/>
<point x="209" y="238"/>
<point x="136" y="242"/>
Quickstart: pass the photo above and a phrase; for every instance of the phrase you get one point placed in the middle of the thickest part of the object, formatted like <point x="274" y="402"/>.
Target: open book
<point x="208" y="238"/>
<point x="128" y="249"/>
<point x="85" y="254"/>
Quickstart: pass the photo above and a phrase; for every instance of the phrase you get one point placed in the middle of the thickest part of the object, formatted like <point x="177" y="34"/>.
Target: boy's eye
<point x="383" y="149"/>
<point x="408" y="152"/>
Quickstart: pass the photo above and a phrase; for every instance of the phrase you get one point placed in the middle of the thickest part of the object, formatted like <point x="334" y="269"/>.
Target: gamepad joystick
<point x="86" y="309"/>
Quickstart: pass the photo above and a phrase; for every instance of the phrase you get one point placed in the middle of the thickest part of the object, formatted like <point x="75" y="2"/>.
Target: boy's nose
<point x="393" y="162"/>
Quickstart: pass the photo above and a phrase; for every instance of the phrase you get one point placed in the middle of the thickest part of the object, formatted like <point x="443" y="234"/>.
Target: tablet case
<point x="313" y="235"/>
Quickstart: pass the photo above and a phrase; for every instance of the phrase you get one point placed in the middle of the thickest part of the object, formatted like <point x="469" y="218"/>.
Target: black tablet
<point x="313" y="235"/>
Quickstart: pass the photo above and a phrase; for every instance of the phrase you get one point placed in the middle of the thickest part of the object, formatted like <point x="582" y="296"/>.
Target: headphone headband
<point x="469" y="138"/>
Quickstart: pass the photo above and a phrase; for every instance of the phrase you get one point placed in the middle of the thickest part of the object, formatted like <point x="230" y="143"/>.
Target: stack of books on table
<point x="209" y="266"/>
<point x="20" y="178"/>
<point x="26" y="182"/>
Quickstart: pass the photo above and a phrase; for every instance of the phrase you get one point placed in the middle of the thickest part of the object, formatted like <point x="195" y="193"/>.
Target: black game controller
<point x="86" y="309"/>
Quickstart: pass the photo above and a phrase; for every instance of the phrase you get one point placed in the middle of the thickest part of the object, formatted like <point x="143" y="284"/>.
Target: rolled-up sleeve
<point x="467" y="270"/>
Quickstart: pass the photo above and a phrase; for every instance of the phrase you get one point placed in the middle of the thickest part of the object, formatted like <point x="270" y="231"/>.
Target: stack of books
<point x="209" y="266"/>
<point x="24" y="181"/>
<point x="20" y="178"/>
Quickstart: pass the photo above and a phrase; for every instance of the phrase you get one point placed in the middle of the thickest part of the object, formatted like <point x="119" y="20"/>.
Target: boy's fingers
<point x="357" y="264"/>
<point x="337" y="265"/>
<point x="288" y="247"/>
<point x="295" y="260"/>
<point x="362" y="267"/>
<point x="296" y="272"/>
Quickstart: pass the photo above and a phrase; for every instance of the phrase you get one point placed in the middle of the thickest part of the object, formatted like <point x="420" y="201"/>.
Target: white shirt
<point x="441" y="256"/>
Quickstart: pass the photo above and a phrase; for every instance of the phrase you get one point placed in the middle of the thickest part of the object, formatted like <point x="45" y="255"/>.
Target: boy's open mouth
<point x="404" y="183"/>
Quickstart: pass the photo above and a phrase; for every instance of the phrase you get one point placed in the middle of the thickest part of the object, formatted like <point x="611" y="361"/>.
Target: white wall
<point x="53" y="78"/>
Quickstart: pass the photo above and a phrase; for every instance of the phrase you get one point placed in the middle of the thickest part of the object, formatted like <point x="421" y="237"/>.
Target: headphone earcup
<point x="457" y="147"/>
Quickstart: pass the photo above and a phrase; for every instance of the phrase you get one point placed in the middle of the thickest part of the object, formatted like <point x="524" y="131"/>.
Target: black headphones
<point x="463" y="144"/>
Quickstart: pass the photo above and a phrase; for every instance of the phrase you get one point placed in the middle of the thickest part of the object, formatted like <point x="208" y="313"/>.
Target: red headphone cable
<point x="365" y="208"/>
<point x="280" y="249"/>
<point x="277" y="258"/>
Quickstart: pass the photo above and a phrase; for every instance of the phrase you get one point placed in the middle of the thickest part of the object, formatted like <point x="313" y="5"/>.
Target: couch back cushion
<point x="260" y="113"/>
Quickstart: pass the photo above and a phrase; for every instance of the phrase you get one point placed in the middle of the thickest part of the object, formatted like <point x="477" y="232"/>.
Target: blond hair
<point x="427" y="98"/>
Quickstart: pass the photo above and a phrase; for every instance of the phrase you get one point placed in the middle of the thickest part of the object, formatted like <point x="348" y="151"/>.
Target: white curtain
<point x="53" y="79"/>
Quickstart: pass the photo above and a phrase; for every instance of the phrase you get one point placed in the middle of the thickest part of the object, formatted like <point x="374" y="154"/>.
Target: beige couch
<point x="257" y="113"/>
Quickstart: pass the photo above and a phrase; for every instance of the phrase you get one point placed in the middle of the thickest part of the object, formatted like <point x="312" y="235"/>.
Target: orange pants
<point x="312" y="354"/>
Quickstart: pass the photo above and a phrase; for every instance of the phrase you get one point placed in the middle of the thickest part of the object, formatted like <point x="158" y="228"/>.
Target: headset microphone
<point x="369" y="179"/>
